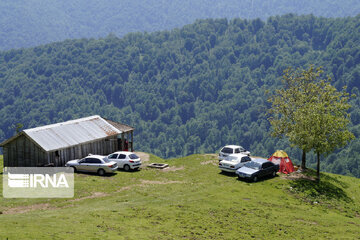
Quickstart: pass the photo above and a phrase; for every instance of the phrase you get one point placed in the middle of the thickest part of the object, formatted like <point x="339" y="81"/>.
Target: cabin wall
<point x="5" y="156"/>
<point x="101" y="147"/>
<point x="23" y="153"/>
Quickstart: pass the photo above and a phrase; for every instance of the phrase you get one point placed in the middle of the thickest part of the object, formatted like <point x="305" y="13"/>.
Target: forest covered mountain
<point x="34" y="22"/>
<point x="189" y="90"/>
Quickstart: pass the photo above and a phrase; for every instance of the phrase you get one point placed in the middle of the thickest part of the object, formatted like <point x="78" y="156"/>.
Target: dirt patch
<point x="213" y="159"/>
<point x="172" y="169"/>
<point x="296" y="175"/>
<point x="143" y="156"/>
<point x="25" y="209"/>
<point x="212" y="162"/>
<point x="93" y="195"/>
<point x="126" y="188"/>
<point x="146" y="182"/>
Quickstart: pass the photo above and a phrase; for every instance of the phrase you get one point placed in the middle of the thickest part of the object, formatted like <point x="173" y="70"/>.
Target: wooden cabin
<point x="58" y="143"/>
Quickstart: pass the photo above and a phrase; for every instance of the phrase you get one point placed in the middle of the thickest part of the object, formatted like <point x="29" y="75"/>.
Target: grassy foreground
<point x="189" y="200"/>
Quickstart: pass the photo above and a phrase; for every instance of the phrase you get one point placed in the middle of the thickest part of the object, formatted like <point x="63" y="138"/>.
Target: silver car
<point x="93" y="163"/>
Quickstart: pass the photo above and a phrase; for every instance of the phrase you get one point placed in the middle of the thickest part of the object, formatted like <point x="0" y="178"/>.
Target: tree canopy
<point x="188" y="90"/>
<point x="33" y="22"/>
<point x="311" y="113"/>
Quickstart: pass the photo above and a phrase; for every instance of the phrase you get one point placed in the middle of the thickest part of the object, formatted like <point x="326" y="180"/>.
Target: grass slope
<point x="190" y="200"/>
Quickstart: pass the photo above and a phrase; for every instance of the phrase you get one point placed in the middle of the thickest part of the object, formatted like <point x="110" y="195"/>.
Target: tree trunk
<point x="318" y="167"/>
<point x="303" y="160"/>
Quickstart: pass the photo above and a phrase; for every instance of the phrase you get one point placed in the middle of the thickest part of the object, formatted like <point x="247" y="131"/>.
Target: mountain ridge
<point x="188" y="90"/>
<point x="35" y="22"/>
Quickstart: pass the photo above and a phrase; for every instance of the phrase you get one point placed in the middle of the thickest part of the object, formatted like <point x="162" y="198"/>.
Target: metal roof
<point x="120" y="126"/>
<point x="66" y="134"/>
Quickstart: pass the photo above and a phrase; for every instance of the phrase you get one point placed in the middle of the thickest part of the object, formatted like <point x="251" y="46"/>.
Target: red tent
<point x="280" y="157"/>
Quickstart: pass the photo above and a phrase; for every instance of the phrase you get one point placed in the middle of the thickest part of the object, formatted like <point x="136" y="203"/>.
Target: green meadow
<point x="190" y="200"/>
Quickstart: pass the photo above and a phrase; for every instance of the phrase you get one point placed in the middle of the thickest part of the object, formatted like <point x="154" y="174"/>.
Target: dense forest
<point x="33" y="22"/>
<point x="189" y="90"/>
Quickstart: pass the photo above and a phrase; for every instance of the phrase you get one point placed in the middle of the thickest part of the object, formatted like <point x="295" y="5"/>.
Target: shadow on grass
<point x="130" y="171"/>
<point x="262" y="179"/>
<point x="326" y="177"/>
<point x="325" y="189"/>
<point x="230" y="174"/>
<point x="95" y="174"/>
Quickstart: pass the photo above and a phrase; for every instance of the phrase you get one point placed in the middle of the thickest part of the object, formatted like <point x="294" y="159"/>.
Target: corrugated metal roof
<point x="70" y="133"/>
<point x="120" y="126"/>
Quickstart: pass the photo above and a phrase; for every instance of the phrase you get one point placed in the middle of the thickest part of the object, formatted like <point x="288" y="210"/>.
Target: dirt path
<point x="143" y="156"/>
<point x="25" y="209"/>
<point x="213" y="159"/>
<point x="173" y="169"/>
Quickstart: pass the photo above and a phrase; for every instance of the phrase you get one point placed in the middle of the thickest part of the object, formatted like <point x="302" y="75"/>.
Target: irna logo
<point x="37" y="180"/>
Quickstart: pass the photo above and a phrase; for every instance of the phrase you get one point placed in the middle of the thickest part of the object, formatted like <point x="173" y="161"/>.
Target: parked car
<point x="126" y="160"/>
<point x="93" y="163"/>
<point x="256" y="169"/>
<point x="232" y="149"/>
<point x="233" y="162"/>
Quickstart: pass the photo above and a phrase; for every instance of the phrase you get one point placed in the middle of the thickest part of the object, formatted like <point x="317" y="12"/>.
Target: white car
<point x="233" y="162"/>
<point x="93" y="163"/>
<point x="232" y="149"/>
<point x="126" y="160"/>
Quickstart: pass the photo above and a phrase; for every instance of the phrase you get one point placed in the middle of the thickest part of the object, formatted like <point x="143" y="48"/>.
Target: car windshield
<point x="227" y="150"/>
<point x="105" y="159"/>
<point x="253" y="165"/>
<point x="133" y="156"/>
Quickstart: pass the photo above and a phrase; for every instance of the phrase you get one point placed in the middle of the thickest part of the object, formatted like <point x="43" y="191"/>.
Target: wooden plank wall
<point x="6" y="156"/>
<point x="101" y="147"/>
<point x="22" y="152"/>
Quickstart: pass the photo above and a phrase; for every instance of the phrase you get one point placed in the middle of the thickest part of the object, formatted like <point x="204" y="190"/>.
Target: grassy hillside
<point x="190" y="200"/>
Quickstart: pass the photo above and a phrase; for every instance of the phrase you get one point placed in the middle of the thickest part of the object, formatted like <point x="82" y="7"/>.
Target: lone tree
<point x="311" y="113"/>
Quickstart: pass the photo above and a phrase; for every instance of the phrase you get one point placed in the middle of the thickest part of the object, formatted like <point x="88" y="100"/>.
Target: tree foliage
<point x="184" y="99"/>
<point x="311" y="113"/>
<point x="33" y="22"/>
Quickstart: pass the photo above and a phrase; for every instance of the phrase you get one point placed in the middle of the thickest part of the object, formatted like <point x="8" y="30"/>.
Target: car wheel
<point x="101" y="172"/>
<point x="74" y="169"/>
<point x="255" y="179"/>
<point x="126" y="167"/>
<point x="274" y="174"/>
